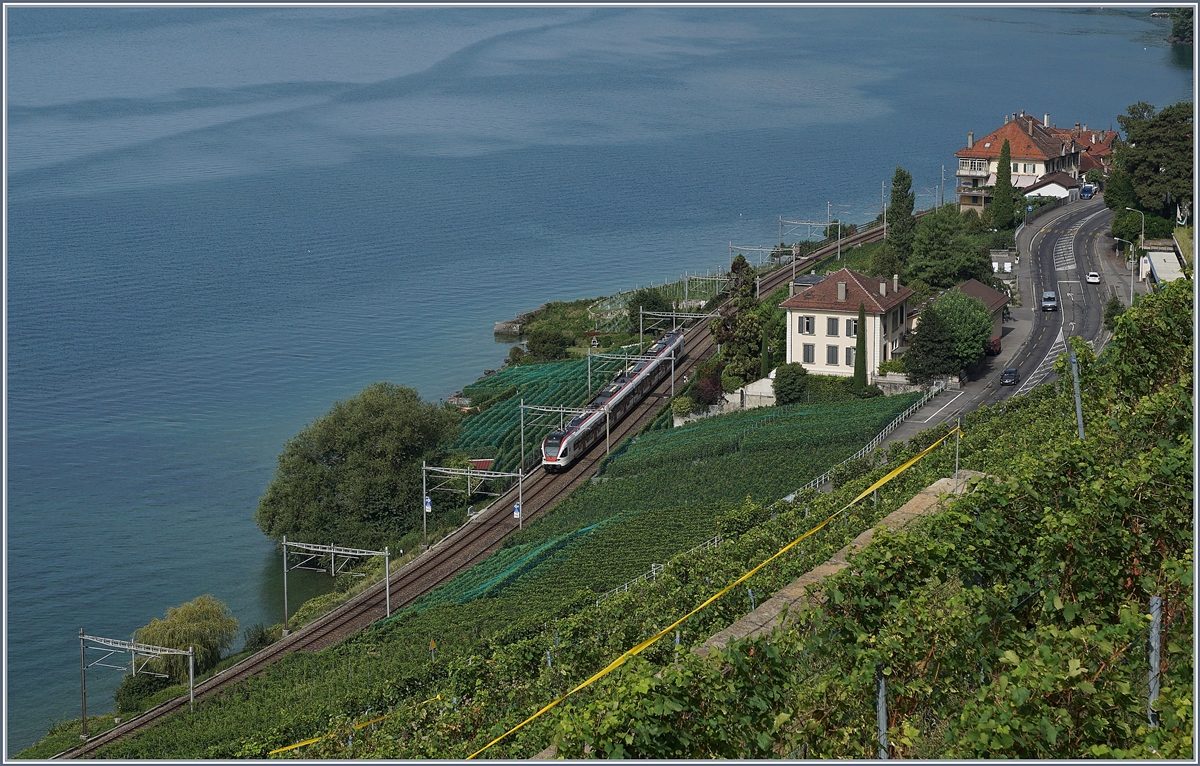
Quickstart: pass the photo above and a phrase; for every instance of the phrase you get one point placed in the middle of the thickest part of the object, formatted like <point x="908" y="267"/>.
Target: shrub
<point x="791" y="383"/>
<point x="895" y="364"/>
<point x="258" y="636"/>
<point x="731" y="382"/>
<point x="134" y="690"/>
<point x="547" y="344"/>
<point x="683" y="406"/>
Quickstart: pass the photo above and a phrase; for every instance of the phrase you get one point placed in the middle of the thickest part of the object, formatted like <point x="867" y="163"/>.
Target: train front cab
<point x="554" y="458"/>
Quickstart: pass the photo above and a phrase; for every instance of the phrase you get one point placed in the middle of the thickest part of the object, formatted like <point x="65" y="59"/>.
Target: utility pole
<point x="942" y="187"/>
<point x="83" y="682"/>
<point x="883" y="199"/>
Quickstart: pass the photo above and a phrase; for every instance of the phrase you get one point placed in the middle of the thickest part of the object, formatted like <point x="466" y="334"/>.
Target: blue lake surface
<point x="222" y="220"/>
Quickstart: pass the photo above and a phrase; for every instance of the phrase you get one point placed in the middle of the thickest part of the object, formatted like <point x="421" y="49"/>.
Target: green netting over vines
<point x="496" y="432"/>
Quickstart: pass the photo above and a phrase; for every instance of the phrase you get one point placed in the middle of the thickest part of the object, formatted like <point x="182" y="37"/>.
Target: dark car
<point x="1010" y="377"/>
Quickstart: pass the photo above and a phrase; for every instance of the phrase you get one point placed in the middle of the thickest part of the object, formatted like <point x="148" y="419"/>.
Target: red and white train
<point x="563" y="447"/>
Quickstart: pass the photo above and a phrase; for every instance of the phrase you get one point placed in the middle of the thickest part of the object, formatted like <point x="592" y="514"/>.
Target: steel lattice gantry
<point x="114" y="645"/>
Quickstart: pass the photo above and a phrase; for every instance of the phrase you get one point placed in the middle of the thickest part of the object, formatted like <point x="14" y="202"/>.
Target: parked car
<point x="1087" y="192"/>
<point x="993" y="347"/>
<point x="1093" y="278"/>
<point x="1049" y="301"/>
<point x="1010" y="377"/>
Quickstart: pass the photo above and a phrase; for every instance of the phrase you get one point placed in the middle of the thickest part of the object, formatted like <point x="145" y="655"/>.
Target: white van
<point x="1049" y="301"/>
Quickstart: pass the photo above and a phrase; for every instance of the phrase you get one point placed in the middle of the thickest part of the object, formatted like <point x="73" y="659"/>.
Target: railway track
<point x="468" y="545"/>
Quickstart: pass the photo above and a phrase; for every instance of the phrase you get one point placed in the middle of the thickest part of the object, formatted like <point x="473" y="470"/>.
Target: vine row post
<point x="881" y="711"/>
<point x="1155" y="656"/>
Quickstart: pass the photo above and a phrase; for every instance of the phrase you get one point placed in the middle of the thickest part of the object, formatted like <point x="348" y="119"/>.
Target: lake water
<point x="222" y="220"/>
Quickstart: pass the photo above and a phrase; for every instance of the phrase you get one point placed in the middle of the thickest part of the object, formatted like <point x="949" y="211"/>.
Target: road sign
<point x="1029" y="207"/>
<point x="516" y="510"/>
<point x="428" y="504"/>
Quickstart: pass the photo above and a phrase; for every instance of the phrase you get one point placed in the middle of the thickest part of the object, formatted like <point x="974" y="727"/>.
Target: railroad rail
<point x="470" y="544"/>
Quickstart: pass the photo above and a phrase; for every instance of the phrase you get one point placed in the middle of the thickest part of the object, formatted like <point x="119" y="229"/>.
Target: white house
<point x="823" y="321"/>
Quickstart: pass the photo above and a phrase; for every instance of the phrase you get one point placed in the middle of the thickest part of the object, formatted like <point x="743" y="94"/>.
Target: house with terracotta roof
<point x="1035" y="150"/>
<point x="1053" y="185"/>
<point x="1096" y="146"/>
<point x="822" y="321"/>
<point x="993" y="299"/>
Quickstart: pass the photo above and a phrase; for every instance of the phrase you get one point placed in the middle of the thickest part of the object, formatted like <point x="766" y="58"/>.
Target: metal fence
<point x="820" y="481"/>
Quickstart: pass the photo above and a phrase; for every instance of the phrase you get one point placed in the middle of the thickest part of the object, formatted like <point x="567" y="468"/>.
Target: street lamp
<point x="1141" y="248"/>
<point x="1130" y="267"/>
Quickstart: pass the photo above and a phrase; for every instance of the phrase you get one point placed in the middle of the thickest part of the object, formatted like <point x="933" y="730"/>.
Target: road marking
<point x="1046" y="367"/>
<point x="944" y="406"/>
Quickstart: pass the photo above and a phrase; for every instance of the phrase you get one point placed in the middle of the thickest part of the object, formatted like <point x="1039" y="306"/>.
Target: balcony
<point x="972" y="172"/>
<point x="982" y="191"/>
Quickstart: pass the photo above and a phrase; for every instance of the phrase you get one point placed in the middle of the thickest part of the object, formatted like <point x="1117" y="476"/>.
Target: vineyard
<point x="1012" y="624"/>
<point x="605" y="534"/>
<point x="496" y="432"/>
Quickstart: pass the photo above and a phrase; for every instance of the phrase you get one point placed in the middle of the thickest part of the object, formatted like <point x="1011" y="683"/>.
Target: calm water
<point x="220" y="221"/>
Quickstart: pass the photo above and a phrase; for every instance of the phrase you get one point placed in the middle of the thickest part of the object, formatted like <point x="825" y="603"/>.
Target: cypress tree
<point x="1002" y="194"/>
<point x="900" y="221"/>
<point x="860" y="351"/>
<point x="764" y="367"/>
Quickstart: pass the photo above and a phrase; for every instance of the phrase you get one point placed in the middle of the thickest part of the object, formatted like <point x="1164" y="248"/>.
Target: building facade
<point x="822" y="321"/>
<point x="1035" y="150"/>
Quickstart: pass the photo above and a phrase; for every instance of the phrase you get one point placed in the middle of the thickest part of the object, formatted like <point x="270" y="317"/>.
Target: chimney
<point x="841" y="291"/>
<point x="1031" y="126"/>
<point x="970" y="139"/>
<point x="1006" y="119"/>
<point x="1085" y="128"/>
<point x="1022" y="112"/>
<point x="1077" y="126"/>
<point x="1047" y="120"/>
<point x="883" y="288"/>
<point x="896" y="282"/>
<point x="1014" y="116"/>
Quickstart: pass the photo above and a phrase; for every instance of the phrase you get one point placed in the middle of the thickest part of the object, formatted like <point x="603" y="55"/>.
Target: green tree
<point x="1003" y="195"/>
<point x="791" y="383"/>
<point x="764" y="367"/>
<point x="203" y="623"/>
<point x="944" y="254"/>
<point x="1127" y="224"/>
<point x="546" y="344"/>
<point x="1156" y="154"/>
<point x="354" y="475"/>
<point x="884" y="263"/>
<point x="1118" y="192"/>
<point x="860" y="351"/>
<point x="951" y="335"/>
<point x="739" y="333"/>
<point x="900" y="221"/>
<point x="1094" y="176"/>
<point x="1113" y="308"/>
<point x="647" y="299"/>
<point x="1182" y="26"/>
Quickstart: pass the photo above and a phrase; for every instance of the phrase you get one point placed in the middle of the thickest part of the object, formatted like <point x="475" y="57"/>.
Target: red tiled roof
<point x="1060" y="178"/>
<point x="993" y="299"/>
<point x="482" y="465"/>
<point x="859" y="289"/>
<point x="1021" y="145"/>
<point x="1098" y="143"/>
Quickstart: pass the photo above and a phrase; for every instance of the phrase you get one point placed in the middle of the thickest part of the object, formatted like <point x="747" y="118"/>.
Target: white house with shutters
<point x="822" y="317"/>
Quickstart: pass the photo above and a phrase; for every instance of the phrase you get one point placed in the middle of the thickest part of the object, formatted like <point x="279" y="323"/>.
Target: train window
<point x="553" y="442"/>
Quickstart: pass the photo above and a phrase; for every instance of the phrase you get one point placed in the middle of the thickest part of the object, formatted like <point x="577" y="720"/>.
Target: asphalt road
<point x="1062" y="250"/>
<point x="1057" y="253"/>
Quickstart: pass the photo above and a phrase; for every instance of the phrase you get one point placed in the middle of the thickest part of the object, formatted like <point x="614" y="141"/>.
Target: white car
<point x="1093" y="278"/>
